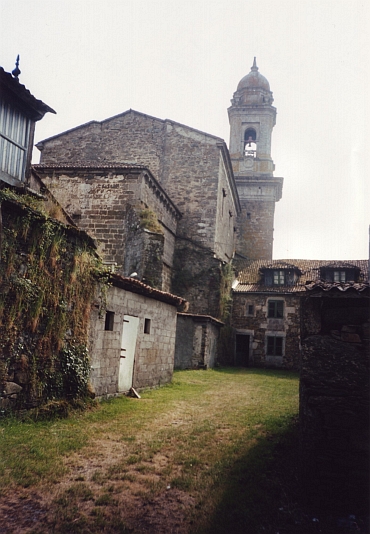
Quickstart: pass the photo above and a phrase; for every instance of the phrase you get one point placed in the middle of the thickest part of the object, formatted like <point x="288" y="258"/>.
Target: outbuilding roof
<point x="135" y="286"/>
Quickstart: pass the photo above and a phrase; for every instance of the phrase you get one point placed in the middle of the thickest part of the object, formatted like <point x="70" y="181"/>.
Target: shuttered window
<point x="14" y="133"/>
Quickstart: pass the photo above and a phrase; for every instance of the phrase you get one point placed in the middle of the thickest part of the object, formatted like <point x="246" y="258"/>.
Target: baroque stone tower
<point x="252" y="118"/>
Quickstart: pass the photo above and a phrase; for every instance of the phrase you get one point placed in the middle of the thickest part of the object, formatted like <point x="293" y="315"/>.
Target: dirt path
<point x="95" y="492"/>
<point x="154" y="467"/>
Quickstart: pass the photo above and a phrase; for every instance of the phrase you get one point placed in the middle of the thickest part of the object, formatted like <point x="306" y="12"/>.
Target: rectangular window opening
<point x="250" y="309"/>
<point x="146" y="326"/>
<point x="279" y="278"/>
<point x="339" y="276"/>
<point x="109" y="320"/>
<point x="274" y="346"/>
<point x="275" y="309"/>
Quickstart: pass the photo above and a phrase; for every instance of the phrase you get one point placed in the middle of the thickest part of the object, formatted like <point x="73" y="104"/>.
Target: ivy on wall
<point x="227" y="277"/>
<point x="49" y="274"/>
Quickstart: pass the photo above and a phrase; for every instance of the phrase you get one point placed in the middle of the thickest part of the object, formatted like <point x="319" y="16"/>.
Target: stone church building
<point x="167" y="201"/>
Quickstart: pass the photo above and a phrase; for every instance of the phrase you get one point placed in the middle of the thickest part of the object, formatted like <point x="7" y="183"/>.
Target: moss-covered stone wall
<point x="48" y="278"/>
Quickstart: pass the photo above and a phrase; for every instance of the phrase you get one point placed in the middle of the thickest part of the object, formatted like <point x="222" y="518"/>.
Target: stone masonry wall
<point x="107" y="205"/>
<point x="226" y="218"/>
<point x="334" y="402"/>
<point x="154" y="355"/>
<point x="126" y="138"/>
<point x="185" y="161"/>
<point x="261" y="326"/>
<point x="191" y="175"/>
<point x="334" y="416"/>
<point x="255" y="229"/>
<point x="197" y="278"/>
<point x="196" y="342"/>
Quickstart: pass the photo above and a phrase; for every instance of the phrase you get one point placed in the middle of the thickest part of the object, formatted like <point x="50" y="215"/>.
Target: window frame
<point x="278" y="277"/>
<point x="109" y="321"/>
<point x="147" y="325"/>
<point x="278" y="309"/>
<point x="14" y="141"/>
<point x="278" y="345"/>
<point x="341" y="274"/>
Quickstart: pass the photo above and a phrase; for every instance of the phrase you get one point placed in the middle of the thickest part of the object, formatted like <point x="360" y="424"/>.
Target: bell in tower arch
<point x="250" y="145"/>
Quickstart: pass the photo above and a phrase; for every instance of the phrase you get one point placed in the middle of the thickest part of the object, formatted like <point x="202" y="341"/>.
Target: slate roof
<point x="249" y="275"/>
<point x="20" y="92"/>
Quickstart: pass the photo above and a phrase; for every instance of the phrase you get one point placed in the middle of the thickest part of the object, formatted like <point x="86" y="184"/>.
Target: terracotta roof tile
<point x="135" y="286"/>
<point x="249" y="274"/>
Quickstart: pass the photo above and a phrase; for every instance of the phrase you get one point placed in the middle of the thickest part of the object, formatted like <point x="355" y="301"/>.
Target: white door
<point x="127" y="356"/>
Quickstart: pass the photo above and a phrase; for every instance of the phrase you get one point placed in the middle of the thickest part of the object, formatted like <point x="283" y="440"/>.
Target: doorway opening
<point x="242" y="350"/>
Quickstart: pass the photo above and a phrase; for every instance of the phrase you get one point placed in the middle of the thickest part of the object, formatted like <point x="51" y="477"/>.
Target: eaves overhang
<point x="33" y="107"/>
<point x="135" y="286"/>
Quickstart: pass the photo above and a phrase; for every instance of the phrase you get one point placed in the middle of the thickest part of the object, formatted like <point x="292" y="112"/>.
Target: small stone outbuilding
<point x="196" y="341"/>
<point x="132" y="341"/>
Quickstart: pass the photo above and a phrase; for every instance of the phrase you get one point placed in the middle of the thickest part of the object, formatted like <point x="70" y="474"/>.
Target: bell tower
<point x="252" y="118"/>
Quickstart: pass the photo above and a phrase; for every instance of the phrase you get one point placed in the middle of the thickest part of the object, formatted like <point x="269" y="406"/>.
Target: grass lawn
<point x="213" y="452"/>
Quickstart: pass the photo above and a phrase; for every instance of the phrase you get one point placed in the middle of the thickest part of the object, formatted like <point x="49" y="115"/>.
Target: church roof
<point x="90" y="123"/>
<point x="254" y="80"/>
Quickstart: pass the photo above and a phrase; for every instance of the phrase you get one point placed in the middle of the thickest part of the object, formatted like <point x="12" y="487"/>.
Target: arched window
<point x="250" y="147"/>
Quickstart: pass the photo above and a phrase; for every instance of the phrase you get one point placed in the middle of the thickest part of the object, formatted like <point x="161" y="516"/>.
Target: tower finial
<point x="254" y="67"/>
<point x="16" y="72"/>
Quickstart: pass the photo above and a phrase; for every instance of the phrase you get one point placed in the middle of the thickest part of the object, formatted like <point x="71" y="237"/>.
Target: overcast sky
<point x="182" y="60"/>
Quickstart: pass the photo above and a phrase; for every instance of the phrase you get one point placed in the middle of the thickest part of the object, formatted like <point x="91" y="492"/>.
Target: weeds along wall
<point x="49" y="274"/>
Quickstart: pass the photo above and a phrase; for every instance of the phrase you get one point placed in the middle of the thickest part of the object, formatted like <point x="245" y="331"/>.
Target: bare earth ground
<point x="29" y="511"/>
<point x="116" y="484"/>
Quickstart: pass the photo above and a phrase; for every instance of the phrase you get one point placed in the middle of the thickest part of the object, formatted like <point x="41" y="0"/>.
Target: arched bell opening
<point x="250" y="145"/>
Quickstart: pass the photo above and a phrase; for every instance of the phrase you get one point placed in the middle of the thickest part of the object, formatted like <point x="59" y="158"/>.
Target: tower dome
<point x="252" y="118"/>
<point x="253" y="90"/>
<point x="254" y="80"/>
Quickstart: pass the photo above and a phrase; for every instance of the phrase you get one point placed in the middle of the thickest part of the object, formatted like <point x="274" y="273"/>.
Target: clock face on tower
<point x="248" y="163"/>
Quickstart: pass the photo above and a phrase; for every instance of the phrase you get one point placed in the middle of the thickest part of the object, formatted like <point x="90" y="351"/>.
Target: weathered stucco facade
<point x="153" y="314"/>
